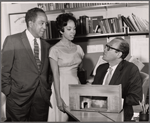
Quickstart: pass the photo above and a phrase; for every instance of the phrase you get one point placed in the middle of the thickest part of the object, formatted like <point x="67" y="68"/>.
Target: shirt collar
<point x="30" y="36"/>
<point x="114" y="67"/>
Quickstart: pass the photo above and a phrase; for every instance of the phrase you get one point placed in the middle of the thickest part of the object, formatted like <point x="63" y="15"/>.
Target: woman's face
<point x="69" y="30"/>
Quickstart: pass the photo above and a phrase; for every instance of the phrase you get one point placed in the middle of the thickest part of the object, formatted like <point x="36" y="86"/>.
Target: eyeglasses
<point x="109" y="47"/>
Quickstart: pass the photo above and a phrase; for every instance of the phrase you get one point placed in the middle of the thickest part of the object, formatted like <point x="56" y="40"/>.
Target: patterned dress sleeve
<point x="53" y="53"/>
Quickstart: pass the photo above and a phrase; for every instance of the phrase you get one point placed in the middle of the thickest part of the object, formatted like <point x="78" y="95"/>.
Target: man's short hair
<point x="123" y="47"/>
<point x="32" y="14"/>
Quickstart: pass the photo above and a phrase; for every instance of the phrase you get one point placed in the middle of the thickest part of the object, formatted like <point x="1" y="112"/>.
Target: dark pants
<point x="35" y="109"/>
<point x="128" y="113"/>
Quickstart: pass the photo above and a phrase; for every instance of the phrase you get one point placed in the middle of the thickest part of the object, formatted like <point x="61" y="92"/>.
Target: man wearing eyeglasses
<point x="122" y="72"/>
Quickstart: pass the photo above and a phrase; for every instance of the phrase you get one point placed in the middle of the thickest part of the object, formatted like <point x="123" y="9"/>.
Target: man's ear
<point x="30" y="23"/>
<point x="119" y="54"/>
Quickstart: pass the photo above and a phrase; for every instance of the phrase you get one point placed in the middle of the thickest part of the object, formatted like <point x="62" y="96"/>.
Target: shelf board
<point x="138" y="33"/>
<point x="98" y="35"/>
<point x="92" y="35"/>
<point x="96" y="7"/>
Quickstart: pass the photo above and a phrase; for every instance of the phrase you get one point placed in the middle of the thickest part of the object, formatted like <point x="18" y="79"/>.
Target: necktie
<point x="109" y="75"/>
<point x="36" y="54"/>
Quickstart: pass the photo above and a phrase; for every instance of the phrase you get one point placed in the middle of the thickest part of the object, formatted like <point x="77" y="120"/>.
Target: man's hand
<point x="90" y="80"/>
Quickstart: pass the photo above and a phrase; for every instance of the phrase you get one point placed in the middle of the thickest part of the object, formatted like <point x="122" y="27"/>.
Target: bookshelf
<point x="137" y="33"/>
<point x="97" y="35"/>
<point x="126" y="31"/>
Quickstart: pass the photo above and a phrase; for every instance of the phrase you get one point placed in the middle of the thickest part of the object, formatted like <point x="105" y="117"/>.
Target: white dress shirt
<point x="114" y="68"/>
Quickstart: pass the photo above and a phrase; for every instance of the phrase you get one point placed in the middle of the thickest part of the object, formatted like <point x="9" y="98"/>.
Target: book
<point x="90" y="25"/>
<point x="87" y="25"/>
<point x="116" y="24"/>
<point x="137" y="22"/>
<point x="50" y="30"/>
<point x="78" y="27"/>
<point x="47" y="31"/>
<point x="131" y="19"/>
<point x="144" y="26"/>
<point x="120" y="23"/>
<point x="84" y="26"/>
<point x="55" y="33"/>
<point x="111" y="25"/>
<point x="107" y="25"/>
<point x="102" y="26"/>
<point x="95" y="21"/>
<point x="124" y="19"/>
<point x="131" y="24"/>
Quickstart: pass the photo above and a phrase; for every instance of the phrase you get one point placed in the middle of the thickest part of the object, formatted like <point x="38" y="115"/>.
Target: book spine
<point x="120" y="23"/>
<point x="90" y="25"/>
<point x="104" y="25"/>
<point x="126" y="22"/>
<point x="134" y="29"/>
<point x="50" y="29"/>
<point x="107" y="25"/>
<point x="131" y="19"/>
<point x="117" y="24"/>
<point x="137" y="23"/>
<point x="114" y="26"/>
<point x="78" y="27"/>
<point x="111" y="25"/>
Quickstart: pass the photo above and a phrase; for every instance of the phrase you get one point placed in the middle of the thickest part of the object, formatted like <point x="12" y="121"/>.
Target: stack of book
<point x="135" y="23"/>
<point x="98" y="24"/>
<point x="117" y="24"/>
<point x="86" y="24"/>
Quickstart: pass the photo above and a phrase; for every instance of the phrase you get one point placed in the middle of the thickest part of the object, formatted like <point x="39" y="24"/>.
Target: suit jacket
<point x="20" y="75"/>
<point x="128" y="75"/>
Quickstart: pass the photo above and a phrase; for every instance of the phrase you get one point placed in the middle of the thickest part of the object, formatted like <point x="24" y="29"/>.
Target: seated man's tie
<point x="108" y="77"/>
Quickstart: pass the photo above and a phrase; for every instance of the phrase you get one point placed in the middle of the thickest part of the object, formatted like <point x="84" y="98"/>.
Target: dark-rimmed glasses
<point x="109" y="47"/>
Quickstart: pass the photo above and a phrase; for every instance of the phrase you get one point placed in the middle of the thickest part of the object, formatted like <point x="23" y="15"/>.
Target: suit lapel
<point x="28" y="48"/>
<point x="116" y="74"/>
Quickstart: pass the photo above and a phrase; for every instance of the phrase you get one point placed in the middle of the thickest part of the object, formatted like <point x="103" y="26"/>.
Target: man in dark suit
<point x="26" y="72"/>
<point x="122" y="72"/>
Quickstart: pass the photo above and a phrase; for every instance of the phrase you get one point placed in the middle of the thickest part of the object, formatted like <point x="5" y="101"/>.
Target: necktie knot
<point x="109" y="69"/>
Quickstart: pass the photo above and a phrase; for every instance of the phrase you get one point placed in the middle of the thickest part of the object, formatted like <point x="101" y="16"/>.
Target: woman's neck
<point x="66" y="42"/>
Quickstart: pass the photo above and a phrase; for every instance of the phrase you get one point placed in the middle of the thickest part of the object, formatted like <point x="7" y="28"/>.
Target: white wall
<point x="6" y="9"/>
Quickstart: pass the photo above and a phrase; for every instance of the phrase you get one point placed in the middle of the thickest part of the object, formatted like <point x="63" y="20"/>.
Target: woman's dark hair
<point x="62" y="20"/>
<point x="32" y="14"/>
<point x="123" y="47"/>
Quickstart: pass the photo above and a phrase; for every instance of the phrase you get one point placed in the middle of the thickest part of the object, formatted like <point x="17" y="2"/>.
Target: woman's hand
<point x="61" y="105"/>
